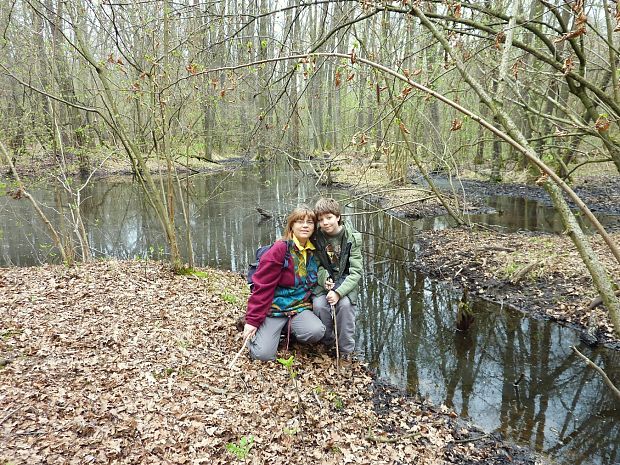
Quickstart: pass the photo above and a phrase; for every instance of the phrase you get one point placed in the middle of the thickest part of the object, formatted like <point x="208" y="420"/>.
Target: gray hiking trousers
<point x="345" y="320"/>
<point x="305" y="326"/>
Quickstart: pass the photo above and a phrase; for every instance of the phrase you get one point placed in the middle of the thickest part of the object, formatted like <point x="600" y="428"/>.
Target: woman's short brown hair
<point x="299" y="213"/>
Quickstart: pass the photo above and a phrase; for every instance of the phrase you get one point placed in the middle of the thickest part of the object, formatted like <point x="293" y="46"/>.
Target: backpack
<point x="259" y="253"/>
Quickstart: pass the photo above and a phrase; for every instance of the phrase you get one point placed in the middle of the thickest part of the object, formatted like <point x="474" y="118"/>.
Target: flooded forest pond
<point x="406" y="321"/>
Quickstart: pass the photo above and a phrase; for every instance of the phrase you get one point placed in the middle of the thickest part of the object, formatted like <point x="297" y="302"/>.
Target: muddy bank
<point x="41" y="166"/>
<point x="601" y="194"/>
<point x="539" y="274"/>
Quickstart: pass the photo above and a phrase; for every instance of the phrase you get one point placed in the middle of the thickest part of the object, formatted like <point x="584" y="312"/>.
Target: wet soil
<point x="539" y="274"/>
<point x="535" y="272"/>
<point x="601" y="194"/>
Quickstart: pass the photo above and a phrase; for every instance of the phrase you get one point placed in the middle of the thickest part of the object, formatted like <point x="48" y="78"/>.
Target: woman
<point x="281" y="295"/>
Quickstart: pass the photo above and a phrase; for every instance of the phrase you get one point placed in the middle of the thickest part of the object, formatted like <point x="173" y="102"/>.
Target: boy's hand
<point x="333" y="297"/>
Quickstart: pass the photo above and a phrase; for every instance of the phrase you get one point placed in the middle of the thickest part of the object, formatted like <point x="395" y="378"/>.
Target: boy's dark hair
<point x="327" y="205"/>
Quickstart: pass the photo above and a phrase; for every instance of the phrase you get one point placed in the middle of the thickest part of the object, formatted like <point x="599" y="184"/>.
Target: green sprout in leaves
<point x="290" y="431"/>
<point x="230" y="298"/>
<point x="242" y="449"/>
<point x="187" y="271"/>
<point x="288" y="364"/>
<point x="336" y="400"/>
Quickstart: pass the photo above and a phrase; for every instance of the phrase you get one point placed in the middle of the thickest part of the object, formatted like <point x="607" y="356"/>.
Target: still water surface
<point x="406" y="321"/>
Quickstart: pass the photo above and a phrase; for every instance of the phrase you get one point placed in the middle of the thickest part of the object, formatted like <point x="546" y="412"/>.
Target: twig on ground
<point x="590" y="363"/>
<point x="234" y="360"/>
<point x="318" y="400"/>
<point x="8" y="415"/>
<point x="494" y="248"/>
<point x="520" y="274"/>
<point x="371" y="437"/>
<point x="212" y="389"/>
<point x="466" y="440"/>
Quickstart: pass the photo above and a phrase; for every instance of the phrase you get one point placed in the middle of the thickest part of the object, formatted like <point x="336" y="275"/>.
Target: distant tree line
<point x="133" y="76"/>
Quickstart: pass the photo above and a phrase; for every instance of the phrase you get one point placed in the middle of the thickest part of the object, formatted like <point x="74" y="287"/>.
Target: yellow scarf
<point x="304" y="250"/>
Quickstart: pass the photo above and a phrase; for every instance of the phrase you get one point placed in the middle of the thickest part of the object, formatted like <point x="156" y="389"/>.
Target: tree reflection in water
<point x="407" y="330"/>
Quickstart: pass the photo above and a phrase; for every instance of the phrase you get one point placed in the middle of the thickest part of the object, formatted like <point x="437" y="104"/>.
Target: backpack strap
<point x="287" y="255"/>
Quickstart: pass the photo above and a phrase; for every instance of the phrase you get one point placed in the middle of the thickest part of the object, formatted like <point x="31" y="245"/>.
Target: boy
<point x="339" y="249"/>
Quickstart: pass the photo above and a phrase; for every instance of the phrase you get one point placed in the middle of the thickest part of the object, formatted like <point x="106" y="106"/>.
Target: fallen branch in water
<point x="590" y="363"/>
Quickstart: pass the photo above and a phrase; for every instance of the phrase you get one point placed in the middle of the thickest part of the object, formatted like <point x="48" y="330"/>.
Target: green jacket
<point x="350" y="267"/>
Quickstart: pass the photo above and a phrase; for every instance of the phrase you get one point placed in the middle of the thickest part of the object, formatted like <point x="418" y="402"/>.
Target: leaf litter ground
<point x="125" y="362"/>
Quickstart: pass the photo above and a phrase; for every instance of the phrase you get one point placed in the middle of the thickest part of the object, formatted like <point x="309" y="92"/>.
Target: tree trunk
<point x="600" y="276"/>
<point x="154" y="195"/>
<point x="613" y="57"/>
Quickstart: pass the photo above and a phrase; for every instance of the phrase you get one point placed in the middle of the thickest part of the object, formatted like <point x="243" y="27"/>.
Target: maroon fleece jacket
<point x="266" y="278"/>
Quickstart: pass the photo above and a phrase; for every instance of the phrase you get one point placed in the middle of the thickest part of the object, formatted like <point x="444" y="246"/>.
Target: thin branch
<point x="591" y="364"/>
<point x="8" y="415"/>
<point x="604" y="160"/>
<point x="477" y="438"/>
<point x="372" y="438"/>
<point x="35" y="205"/>
<point x="234" y="360"/>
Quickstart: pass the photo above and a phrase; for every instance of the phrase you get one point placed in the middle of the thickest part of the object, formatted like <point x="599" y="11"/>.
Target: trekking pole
<point x="234" y="360"/>
<point x="333" y="308"/>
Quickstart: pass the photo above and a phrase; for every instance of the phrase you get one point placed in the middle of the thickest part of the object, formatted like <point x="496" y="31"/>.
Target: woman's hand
<point x="249" y="331"/>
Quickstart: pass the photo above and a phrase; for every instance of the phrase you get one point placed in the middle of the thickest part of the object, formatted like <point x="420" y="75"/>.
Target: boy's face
<point x="329" y="223"/>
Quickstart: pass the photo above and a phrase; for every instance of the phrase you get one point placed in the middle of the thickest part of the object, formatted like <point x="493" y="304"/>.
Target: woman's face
<point x="303" y="228"/>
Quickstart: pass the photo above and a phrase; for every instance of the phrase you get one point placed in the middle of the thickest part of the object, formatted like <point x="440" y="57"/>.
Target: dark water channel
<point x="406" y="321"/>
